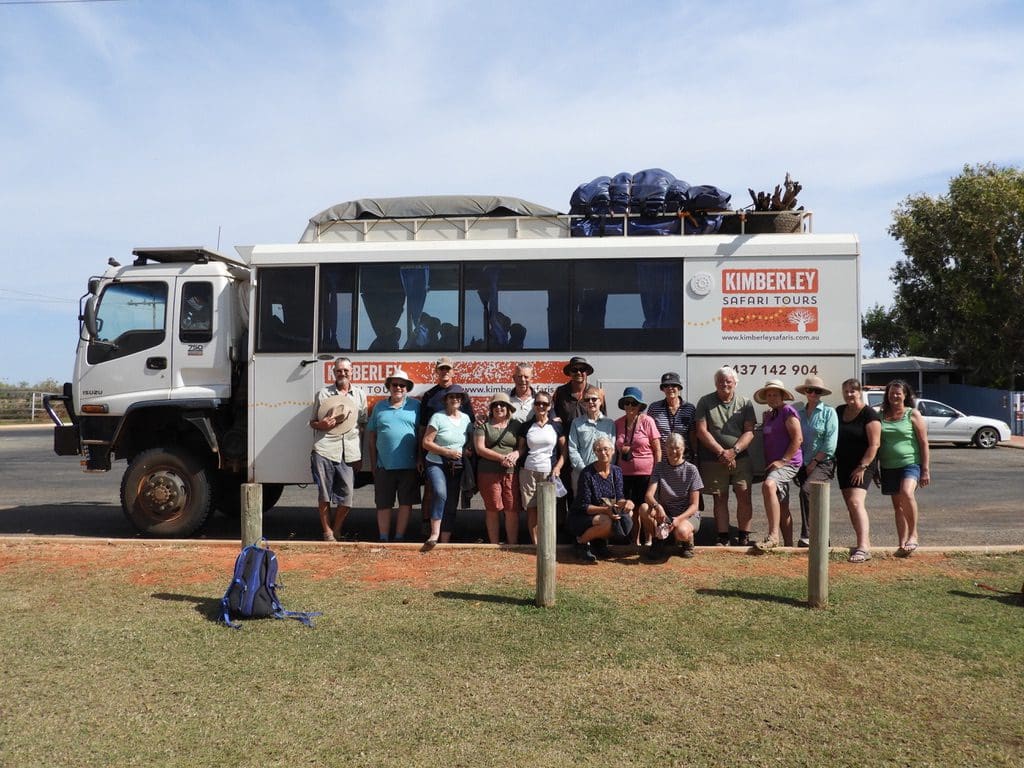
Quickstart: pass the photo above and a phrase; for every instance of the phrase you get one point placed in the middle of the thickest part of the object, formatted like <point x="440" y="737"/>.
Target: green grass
<point x="916" y="670"/>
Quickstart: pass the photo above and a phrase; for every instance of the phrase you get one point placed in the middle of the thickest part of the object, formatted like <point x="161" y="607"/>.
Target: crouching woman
<point x="671" y="509"/>
<point x="599" y="511"/>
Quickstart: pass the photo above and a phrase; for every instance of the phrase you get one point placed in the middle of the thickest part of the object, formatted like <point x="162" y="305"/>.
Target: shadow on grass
<point x="763" y="597"/>
<point x="479" y="597"/>
<point x="207" y="607"/>
<point x="999" y="596"/>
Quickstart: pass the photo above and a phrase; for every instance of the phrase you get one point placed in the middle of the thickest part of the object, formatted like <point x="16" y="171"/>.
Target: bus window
<point x="516" y="306"/>
<point x="285" y="316"/>
<point x="412" y="307"/>
<point x="337" y="291"/>
<point x="627" y="306"/>
<point x="195" y="320"/>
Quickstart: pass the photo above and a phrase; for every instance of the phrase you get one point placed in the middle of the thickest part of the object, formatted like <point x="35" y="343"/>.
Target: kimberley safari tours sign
<point x="807" y="301"/>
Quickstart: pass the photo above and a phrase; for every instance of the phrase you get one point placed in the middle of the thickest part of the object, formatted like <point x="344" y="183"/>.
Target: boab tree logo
<point x="800" y="318"/>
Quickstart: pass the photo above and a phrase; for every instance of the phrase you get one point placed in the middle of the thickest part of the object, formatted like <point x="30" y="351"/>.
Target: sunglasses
<point x="812" y="391"/>
<point x="577" y="370"/>
<point x="399" y="384"/>
<point x="591" y="399"/>
<point x="632" y="404"/>
<point x="541" y="404"/>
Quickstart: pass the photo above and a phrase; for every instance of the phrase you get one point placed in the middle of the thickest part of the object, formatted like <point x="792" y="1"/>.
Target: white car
<point x="948" y="425"/>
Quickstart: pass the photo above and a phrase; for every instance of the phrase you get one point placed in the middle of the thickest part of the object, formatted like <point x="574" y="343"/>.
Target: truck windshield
<point x="129" y="319"/>
<point x="127" y="307"/>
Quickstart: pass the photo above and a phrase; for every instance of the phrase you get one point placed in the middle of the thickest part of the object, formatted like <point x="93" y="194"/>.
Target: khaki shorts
<point x="718" y="478"/>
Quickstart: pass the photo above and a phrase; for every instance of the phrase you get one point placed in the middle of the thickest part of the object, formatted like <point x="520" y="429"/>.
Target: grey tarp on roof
<point x="429" y="206"/>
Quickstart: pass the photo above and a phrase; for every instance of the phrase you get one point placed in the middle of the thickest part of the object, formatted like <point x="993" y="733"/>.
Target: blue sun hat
<point x="632" y="393"/>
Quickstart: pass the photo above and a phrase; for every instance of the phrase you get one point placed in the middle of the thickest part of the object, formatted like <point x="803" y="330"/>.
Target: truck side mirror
<point x="89" y="317"/>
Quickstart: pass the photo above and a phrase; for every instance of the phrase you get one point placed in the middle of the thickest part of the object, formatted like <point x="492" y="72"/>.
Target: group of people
<point x="636" y="479"/>
<point x="852" y="442"/>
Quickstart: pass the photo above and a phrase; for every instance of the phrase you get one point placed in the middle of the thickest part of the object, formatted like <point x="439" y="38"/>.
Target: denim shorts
<point x="892" y="479"/>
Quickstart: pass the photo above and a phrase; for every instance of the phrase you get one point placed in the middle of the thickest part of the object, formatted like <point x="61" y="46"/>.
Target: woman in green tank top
<point x="904" y="457"/>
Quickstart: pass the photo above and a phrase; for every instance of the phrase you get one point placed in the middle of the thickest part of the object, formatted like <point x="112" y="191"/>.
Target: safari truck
<point x="199" y="369"/>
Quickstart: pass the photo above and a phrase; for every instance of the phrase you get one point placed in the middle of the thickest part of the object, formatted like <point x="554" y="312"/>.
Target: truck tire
<point x="229" y="496"/>
<point x="166" y="493"/>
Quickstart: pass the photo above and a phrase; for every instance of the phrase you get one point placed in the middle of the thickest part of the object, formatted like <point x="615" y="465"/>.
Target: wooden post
<point x="252" y="513"/>
<point x="817" y="562"/>
<point x="545" y="544"/>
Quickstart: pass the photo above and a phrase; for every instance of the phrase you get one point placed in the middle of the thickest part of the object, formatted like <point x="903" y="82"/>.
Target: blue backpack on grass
<point x="252" y="593"/>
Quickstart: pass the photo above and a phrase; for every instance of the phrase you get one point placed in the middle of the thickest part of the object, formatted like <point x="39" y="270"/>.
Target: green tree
<point x="961" y="286"/>
<point x="883" y="332"/>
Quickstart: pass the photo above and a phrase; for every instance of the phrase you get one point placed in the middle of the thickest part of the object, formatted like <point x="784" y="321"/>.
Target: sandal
<point x="766" y="544"/>
<point x="910" y="547"/>
<point x="859" y="555"/>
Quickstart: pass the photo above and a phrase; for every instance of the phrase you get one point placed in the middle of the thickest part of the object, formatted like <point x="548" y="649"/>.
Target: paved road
<point x="976" y="497"/>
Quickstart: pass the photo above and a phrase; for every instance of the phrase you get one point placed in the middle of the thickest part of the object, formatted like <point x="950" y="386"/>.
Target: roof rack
<point x="196" y="254"/>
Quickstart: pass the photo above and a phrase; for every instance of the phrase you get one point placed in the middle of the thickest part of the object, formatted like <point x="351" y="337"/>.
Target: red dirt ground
<point x="375" y="565"/>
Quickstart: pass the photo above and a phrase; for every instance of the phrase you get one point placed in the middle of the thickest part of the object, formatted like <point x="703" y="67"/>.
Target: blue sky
<point x="156" y="122"/>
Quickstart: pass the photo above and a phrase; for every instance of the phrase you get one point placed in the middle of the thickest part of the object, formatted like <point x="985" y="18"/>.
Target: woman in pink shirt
<point x="638" y="448"/>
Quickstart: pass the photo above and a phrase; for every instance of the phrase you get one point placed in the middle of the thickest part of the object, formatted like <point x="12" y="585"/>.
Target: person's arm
<point x="654" y="437"/>
<point x="556" y="470"/>
<point x="873" y="432"/>
<point x="921" y="434"/>
<point x="575" y="458"/>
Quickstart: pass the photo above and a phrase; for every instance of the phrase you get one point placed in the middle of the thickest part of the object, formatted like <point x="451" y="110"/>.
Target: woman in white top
<point x="542" y="443"/>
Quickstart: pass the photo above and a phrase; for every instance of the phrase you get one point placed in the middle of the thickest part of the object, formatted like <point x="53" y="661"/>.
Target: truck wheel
<point x="229" y="496"/>
<point x="166" y="493"/>
<point x="986" y="437"/>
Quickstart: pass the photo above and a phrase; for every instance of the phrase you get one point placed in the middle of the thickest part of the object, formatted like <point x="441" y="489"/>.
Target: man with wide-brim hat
<point x="568" y="405"/>
<point x="339" y="413"/>
<point x="820" y="426"/>
<point x="393" y="445"/>
<point x="724" y="428"/>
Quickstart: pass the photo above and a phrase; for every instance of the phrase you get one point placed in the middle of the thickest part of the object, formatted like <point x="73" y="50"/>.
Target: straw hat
<point x="772" y="384"/>
<point x="813" y="382"/>
<point x="344" y="409"/>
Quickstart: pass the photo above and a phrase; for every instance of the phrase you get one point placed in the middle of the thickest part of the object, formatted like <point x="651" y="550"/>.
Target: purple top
<point x="776" y="436"/>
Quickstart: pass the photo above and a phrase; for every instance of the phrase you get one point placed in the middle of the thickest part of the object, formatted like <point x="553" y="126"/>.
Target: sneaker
<point x="723" y="540"/>
<point x="329" y="536"/>
<point x="686" y="550"/>
<point x="803" y="542"/>
<point x="766" y="544"/>
<point x="584" y="553"/>
<point x="601" y="550"/>
<point x="742" y="539"/>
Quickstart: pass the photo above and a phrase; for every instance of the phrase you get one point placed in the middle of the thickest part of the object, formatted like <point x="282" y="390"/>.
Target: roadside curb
<point x="374" y="546"/>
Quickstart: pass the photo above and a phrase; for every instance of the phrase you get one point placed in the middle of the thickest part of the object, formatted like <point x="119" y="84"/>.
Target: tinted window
<point x="408" y="307"/>
<point x="195" y="318"/>
<point x="284" y="298"/>
<point x="337" y="292"/>
<point x="627" y="305"/>
<point x="130" y="317"/>
<point x="515" y="306"/>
